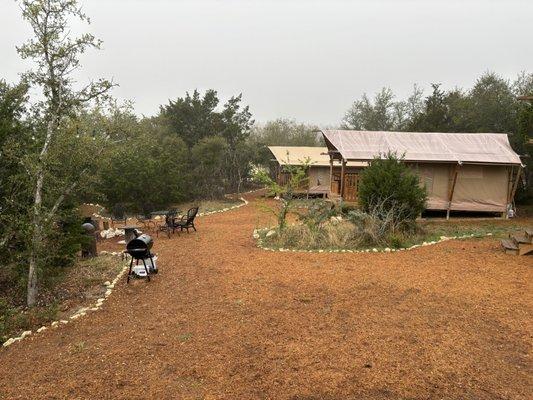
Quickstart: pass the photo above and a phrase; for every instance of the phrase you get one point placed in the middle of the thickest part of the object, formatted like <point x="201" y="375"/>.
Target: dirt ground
<point x="226" y="320"/>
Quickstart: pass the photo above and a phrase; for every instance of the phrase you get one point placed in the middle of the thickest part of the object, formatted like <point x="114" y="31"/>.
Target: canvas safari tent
<point x="320" y="170"/>
<point x="461" y="171"/>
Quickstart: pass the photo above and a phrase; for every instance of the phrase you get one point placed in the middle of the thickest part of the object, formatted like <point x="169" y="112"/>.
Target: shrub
<point x="286" y="192"/>
<point x="388" y="189"/>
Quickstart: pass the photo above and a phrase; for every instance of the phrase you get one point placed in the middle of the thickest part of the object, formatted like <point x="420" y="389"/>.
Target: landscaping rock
<point x="270" y="233"/>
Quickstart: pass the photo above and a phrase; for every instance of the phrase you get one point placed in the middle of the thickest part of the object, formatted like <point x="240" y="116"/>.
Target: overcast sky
<point x="306" y="60"/>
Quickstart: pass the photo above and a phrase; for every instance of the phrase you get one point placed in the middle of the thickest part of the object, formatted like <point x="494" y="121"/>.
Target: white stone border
<point x="81" y="312"/>
<point x="244" y="202"/>
<point x="259" y="244"/>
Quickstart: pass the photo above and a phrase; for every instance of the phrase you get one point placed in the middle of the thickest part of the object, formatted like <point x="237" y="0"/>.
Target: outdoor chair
<point x="169" y="225"/>
<point x="187" y="221"/>
<point x="147" y="225"/>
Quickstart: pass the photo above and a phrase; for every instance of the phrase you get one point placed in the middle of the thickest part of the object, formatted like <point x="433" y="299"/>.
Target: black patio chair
<point x="187" y="221"/>
<point x="169" y="224"/>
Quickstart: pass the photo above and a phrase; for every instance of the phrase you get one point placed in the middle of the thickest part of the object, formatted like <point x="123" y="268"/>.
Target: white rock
<point x="24" y="334"/>
<point x="375" y="250"/>
<point x="107" y="292"/>
<point x="8" y="342"/>
<point x="387" y="250"/>
<point x="63" y="321"/>
<point x="42" y="328"/>
<point x="489" y="234"/>
<point x="55" y="323"/>
<point x="107" y="283"/>
<point x="270" y="233"/>
<point x="94" y="308"/>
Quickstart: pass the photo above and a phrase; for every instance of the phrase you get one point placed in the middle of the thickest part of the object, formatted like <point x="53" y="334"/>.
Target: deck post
<point x="343" y="168"/>
<point x="515" y="186"/>
<point x="452" y="189"/>
<point x="330" y="175"/>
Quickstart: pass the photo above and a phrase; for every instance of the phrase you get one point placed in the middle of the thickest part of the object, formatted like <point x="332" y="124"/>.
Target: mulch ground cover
<point x="226" y="320"/>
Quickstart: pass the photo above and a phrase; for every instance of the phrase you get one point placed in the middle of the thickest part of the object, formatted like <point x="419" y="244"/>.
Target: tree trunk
<point x="37" y="220"/>
<point x="35" y="242"/>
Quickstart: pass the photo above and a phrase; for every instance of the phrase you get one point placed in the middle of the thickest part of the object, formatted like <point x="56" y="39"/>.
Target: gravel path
<point x="225" y="320"/>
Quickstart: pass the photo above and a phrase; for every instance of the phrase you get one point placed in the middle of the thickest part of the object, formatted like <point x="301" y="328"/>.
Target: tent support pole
<point x="343" y="167"/>
<point x="330" y="176"/>
<point x="452" y="189"/>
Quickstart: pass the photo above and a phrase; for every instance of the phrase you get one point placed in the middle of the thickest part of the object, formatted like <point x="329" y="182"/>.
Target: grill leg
<point x="153" y="266"/>
<point x="146" y="269"/>
<point x="129" y="272"/>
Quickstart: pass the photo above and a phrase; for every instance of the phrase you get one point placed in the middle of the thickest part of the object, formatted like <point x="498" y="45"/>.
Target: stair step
<point x="509" y="244"/>
<point x="525" y="248"/>
<point x="520" y="238"/>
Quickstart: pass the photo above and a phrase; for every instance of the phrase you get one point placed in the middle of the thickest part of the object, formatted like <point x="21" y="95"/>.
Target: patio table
<point x="129" y="232"/>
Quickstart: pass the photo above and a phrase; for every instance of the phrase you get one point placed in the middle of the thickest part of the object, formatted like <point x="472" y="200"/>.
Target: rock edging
<point x="78" y="314"/>
<point x="259" y="243"/>
<point x="244" y="202"/>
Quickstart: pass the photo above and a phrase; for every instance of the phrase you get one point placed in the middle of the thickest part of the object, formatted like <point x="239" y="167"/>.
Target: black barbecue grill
<point x="139" y="249"/>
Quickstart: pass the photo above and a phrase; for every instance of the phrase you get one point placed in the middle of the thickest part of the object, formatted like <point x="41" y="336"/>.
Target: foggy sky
<point x="306" y="60"/>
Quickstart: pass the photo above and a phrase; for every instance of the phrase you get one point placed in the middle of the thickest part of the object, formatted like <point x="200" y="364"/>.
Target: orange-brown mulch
<point x="226" y="320"/>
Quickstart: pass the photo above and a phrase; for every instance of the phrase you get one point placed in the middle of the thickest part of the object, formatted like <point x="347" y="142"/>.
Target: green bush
<point x="388" y="184"/>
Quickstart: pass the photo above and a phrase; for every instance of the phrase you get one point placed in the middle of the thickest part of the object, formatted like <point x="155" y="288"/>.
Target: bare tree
<point x="56" y="56"/>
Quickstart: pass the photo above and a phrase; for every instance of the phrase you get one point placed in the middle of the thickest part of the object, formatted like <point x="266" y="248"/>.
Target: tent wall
<point x="478" y="187"/>
<point x="318" y="176"/>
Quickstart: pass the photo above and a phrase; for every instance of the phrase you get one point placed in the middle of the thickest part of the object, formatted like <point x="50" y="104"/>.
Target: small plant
<point x="77" y="347"/>
<point x="297" y="177"/>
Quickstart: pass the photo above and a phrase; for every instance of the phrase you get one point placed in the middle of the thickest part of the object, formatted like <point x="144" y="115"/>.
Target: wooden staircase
<point x="519" y="243"/>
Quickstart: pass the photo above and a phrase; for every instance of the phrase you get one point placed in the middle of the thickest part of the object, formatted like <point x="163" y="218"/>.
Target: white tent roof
<point x="483" y="148"/>
<point x="296" y="155"/>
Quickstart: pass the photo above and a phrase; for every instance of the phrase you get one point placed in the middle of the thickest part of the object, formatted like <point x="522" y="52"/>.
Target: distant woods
<point x="491" y="105"/>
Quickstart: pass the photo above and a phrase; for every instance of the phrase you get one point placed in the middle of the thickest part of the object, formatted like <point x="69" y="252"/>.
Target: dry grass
<point x="77" y="287"/>
<point x="347" y="235"/>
